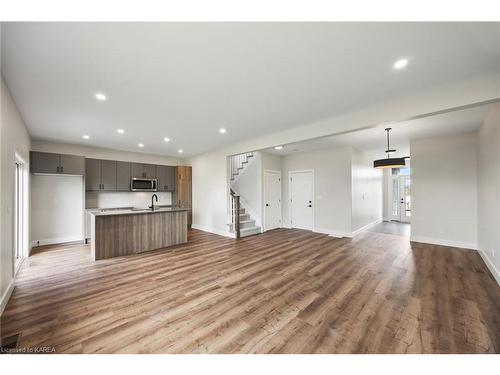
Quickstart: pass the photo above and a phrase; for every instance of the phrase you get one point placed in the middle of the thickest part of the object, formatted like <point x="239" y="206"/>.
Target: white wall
<point x="489" y="190"/>
<point x="210" y="192"/>
<point x="249" y="186"/>
<point x="366" y="191"/>
<point x="386" y="176"/>
<point x="444" y="190"/>
<point x="56" y="209"/>
<point x="14" y="138"/>
<point x="332" y="185"/>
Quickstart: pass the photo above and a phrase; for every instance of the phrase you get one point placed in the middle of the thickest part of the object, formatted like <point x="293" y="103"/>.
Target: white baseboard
<point x="490" y="265"/>
<point x="214" y="231"/>
<point x="6" y="296"/>
<point x="57" y="240"/>
<point x="357" y="231"/>
<point x="438" y="241"/>
<point x="332" y="232"/>
<point x="386" y="219"/>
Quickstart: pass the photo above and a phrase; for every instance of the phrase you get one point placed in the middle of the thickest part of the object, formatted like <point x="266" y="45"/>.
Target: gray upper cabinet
<point x="140" y="170"/>
<point x="123" y="176"/>
<point x="100" y="175"/>
<point x="166" y="177"/>
<point x="161" y="175"/>
<point x="170" y="179"/>
<point x="149" y="170"/>
<point x="72" y="164"/>
<point x="45" y="162"/>
<point x="137" y="170"/>
<point x="92" y="174"/>
<point x="108" y="175"/>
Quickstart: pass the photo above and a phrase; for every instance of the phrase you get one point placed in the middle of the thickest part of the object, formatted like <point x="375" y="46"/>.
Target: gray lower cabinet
<point x="49" y="163"/>
<point x="123" y="176"/>
<point x="166" y="177"/>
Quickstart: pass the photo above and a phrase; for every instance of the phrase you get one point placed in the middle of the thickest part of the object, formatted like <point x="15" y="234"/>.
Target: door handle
<point x="309" y="205"/>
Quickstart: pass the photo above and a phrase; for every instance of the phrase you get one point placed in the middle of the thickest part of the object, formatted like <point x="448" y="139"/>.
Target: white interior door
<point x="272" y="200"/>
<point x="301" y="200"/>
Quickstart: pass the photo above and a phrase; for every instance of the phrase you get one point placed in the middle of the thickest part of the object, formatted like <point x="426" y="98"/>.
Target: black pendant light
<point x="389" y="162"/>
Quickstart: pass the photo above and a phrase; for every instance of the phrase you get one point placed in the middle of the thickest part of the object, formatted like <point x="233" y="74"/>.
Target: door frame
<point x="401" y="214"/>
<point x="264" y="224"/>
<point x="290" y="173"/>
<point x="402" y="204"/>
<point x="24" y="206"/>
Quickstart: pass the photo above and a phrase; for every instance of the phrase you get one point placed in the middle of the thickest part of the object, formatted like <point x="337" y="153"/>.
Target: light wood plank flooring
<point x="286" y="291"/>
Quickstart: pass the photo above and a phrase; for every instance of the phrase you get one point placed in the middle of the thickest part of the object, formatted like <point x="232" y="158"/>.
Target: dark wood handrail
<point x="235" y="212"/>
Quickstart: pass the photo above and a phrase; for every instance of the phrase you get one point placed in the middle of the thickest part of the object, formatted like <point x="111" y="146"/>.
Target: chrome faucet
<point x="152" y="202"/>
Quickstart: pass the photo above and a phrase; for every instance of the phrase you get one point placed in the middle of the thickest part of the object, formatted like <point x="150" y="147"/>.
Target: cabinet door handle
<point x="57" y="169"/>
<point x="62" y="169"/>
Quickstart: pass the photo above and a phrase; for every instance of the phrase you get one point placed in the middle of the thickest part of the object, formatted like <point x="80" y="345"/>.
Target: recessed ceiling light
<point x="400" y="64"/>
<point x="166" y="139"/>
<point x="120" y="131"/>
<point x="222" y="130"/>
<point x="85" y="136"/>
<point x="180" y="151"/>
<point x="100" y="96"/>
<point x="140" y="145"/>
<point x="278" y="148"/>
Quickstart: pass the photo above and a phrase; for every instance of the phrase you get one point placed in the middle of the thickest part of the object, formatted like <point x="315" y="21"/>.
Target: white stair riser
<point x="243" y="225"/>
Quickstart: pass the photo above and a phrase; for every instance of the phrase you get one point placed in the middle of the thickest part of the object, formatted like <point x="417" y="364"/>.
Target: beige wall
<point x="444" y="190"/>
<point x="489" y="190"/>
<point x="14" y="139"/>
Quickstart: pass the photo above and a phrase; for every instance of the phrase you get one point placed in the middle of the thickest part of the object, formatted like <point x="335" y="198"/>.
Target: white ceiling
<point x="186" y="80"/>
<point x="373" y="141"/>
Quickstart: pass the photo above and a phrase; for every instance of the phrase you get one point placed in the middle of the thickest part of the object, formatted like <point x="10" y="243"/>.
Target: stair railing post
<point x="237" y="216"/>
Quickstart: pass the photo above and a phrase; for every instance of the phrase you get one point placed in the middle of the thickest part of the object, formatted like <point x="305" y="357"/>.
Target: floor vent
<point x="9" y="343"/>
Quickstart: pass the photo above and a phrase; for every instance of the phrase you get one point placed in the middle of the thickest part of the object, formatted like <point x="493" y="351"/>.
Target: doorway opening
<point x="399" y="203"/>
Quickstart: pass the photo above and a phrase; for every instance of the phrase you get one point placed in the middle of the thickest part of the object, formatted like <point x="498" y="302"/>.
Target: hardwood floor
<point x="286" y="291"/>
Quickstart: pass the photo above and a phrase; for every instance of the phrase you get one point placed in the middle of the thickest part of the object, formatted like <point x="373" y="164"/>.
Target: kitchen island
<point x="125" y="232"/>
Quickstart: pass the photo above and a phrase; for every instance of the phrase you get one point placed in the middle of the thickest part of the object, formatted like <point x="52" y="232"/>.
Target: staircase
<point x="241" y="224"/>
<point x="237" y="164"/>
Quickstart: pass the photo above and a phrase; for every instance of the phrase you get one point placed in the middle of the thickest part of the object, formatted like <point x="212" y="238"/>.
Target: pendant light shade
<point x="389" y="162"/>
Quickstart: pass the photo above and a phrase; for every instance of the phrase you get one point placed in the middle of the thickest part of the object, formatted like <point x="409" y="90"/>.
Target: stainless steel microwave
<point x="143" y="184"/>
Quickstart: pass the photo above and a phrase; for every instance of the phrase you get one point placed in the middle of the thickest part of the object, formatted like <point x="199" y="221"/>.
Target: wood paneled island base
<point x="117" y="234"/>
